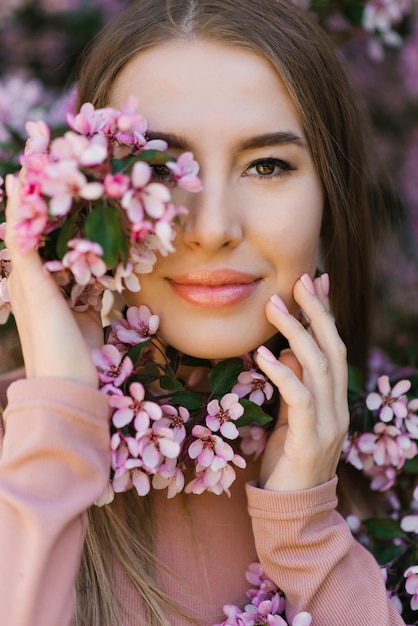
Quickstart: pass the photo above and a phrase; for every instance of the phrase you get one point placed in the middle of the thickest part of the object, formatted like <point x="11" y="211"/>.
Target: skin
<point x="267" y="226"/>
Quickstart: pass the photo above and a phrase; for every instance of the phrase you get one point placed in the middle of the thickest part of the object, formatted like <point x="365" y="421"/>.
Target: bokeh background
<point x="40" y="46"/>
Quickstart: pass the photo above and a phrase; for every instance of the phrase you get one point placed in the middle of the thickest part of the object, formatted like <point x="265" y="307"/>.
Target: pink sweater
<point x="55" y="463"/>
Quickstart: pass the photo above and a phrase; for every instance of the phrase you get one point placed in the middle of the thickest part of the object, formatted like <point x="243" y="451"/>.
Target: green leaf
<point x="387" y="554"/>
<point x="192" y="361"/>
<point x="66" y="232"/>
<point x="103" y="226"/>
<point x="121" y="165"/>
<point x="156" y="157"/>
<point x="148" y="374"/>
<point x="354" y="13"/>
<point x="383" y="528"/>
<point x="253" y="414"/>
<point x="135" y="352"/>
<point x="188" y="399"/>
<point x="169" y="380"/>
<point x="411" y="465"/>
<point x="224" y="375"/>
<point x="355" y="381"/>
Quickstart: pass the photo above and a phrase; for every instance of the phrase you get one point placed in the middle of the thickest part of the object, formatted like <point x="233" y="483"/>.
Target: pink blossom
<point x="391" y="400"/>
<point x="302" y="619"/>
<point x="115" y="185"/>
<point x="88" y="121"/>
<point x="131" y="475"/>
<point x="388" y="446"/>
<point x="411" y="585"/>
<point x="134" y="409"/>
<point x="124" y="277"/>
<point x="209" y="449"/>
<point x="185" y="171"/>
<point x="85" y="151"/>
<point x="255" y="384"/>
<point x="382" y="478"/>
<point x="86" y="297"/>
<point x="156" y="444"/>
<point x="62" y="182"/>
<point x="221" y="415"/>
<point x="410" y="524"/>
<point x="253" y="439"/>
<point x="145" y="197"/>
<point x="382" y="15"/>
<point x="175" y="418"/>
<point x="32" y="214"/>
<point x="84" y="260"/>
<point x="411" y="419"/>
<point x="169" y="476"/>
<point x="5" y="262"/>
<point x="112" y="367"/>
<point x="129" y="120"/>
<point x="5" y="306"/>
<point x="216" y="482"/>
<point x="39" y="136"/>
<point x="138" y="327"/>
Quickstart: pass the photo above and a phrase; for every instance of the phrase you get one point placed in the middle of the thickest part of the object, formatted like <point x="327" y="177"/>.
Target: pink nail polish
<point x="278" y="302"/>
<point x="307" y="283"/>
<point x="325" y="283"/>
<point x="266" y="354"/>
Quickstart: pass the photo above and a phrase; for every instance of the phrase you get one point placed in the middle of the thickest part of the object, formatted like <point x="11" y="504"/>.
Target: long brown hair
<point x="336" y="130"/>
<point x="329" y="109"/>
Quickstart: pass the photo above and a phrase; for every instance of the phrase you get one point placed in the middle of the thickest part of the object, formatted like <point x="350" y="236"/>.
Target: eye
<point x="268" y="168"/>
<point x="162" y="174"/>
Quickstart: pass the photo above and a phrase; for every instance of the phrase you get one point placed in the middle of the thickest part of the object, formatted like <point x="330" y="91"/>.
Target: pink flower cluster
<point x="380" y="18"/>
<point x="102" y="169"/>
<point x="383" y="452"/>
<point x="158" y="443"/>
<point x="266" y="607"/>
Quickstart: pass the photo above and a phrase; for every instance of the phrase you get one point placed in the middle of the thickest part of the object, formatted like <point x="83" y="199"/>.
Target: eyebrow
<point x="280" y="138"/>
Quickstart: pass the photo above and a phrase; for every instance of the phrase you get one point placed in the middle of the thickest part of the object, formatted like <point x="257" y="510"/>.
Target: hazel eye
<point x="162" y="173"/>
<point x="265" y="168"/>
<point x="269" y="168"/>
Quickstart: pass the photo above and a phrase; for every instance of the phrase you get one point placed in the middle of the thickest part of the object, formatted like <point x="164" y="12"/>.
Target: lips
<point x="214" y="288"/>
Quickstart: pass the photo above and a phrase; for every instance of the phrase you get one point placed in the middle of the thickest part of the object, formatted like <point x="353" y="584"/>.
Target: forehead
<point x="199" y="84"/>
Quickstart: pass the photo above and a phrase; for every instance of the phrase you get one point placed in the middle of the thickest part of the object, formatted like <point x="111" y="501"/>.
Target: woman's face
<point x="254" y="229"/>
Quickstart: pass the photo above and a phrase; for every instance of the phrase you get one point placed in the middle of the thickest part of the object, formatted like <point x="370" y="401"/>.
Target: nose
<point x="213" y="221"/>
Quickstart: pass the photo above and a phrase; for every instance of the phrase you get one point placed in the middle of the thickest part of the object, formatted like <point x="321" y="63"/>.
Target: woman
<point x="254" y="90"/>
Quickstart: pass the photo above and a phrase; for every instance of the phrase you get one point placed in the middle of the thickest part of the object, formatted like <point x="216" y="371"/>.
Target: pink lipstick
<point x="214" y="289"/>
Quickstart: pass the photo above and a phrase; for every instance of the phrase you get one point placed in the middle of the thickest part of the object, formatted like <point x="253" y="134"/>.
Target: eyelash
<point x="162" y="174"/>
<point x="284" y="168"/>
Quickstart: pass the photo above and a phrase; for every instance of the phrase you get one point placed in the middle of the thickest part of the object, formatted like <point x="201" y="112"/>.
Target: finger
<point x="285" y="373"/>
<point x="316" y="372"/>
<point x="288" y="359"/>
<point x="313" y="298"/>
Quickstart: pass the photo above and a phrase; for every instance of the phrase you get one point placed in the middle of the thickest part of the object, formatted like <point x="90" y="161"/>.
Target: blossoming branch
<point x="91" y="204"/>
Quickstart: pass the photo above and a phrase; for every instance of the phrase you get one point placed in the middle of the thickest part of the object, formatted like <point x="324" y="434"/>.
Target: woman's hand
<point x="304" y="449"/>
<point x="55" y="341"/>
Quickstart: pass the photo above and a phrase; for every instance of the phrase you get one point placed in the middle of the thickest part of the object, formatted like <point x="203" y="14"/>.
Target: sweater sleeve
<point x="54" y="464"/>
<point x="306" y="548"/>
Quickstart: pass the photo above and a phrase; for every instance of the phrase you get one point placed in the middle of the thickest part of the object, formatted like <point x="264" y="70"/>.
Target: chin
<point x="207" y="344"/>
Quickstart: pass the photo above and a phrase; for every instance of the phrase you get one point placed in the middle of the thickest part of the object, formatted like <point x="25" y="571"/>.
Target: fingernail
<point x="266" y="354"/>
<point x="325" y="284"/>
<point x="278" y="302"/>
<point x="307" y="283"/>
